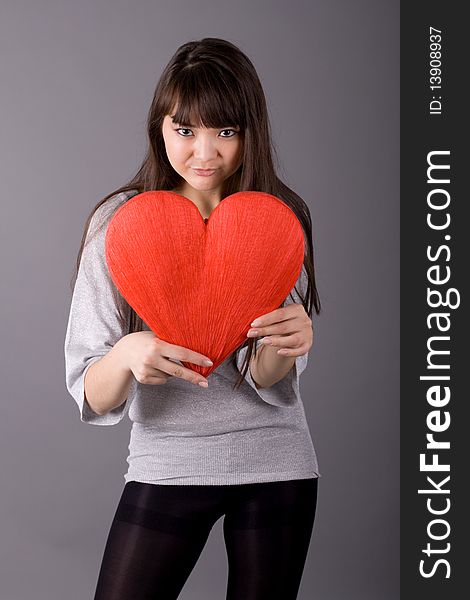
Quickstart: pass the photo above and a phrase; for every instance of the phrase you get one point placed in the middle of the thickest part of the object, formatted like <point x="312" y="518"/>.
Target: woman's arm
<point x="286" y="390"/>
<point x="268" y="367"/>
<point x="94" y="329"/>
<point x="287" y="329"/>
<point x="108" y="380"/>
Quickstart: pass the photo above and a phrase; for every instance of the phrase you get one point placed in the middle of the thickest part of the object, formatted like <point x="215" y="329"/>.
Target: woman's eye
<point x="231" y="131"/>
<point x="183" y="129"/>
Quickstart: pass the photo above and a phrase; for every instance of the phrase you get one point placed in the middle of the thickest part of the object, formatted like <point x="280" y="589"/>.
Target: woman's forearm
<point x="108" y="380"/>
<point x="269" y="367"/>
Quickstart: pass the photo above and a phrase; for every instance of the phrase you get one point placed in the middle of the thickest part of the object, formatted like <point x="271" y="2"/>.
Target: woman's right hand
<point x="147" y="356"/>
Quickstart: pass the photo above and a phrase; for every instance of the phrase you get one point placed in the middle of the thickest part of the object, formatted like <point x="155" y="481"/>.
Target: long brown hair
<point x="214" y="84"/>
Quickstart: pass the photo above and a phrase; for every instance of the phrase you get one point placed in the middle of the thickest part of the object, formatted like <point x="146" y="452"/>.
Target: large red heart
<point x="199" y="283"/>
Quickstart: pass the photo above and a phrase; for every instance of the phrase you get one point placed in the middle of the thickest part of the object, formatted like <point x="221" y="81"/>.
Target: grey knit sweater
<point x="182" y="433"/>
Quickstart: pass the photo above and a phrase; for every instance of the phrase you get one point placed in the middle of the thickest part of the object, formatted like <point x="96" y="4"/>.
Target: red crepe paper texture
<point x="197" y="282"/>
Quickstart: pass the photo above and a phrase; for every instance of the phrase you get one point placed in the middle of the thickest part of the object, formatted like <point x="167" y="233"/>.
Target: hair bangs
<point x="203" y="97"/>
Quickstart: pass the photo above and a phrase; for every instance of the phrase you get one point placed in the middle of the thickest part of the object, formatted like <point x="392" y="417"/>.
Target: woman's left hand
<point x="288" y="328"/>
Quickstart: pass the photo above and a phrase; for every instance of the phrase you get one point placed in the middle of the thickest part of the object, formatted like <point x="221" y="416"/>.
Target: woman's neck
<point x="205" y="201"/>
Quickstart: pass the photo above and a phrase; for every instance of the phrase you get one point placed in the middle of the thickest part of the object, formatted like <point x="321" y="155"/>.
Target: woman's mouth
<point x="205" y="172"/>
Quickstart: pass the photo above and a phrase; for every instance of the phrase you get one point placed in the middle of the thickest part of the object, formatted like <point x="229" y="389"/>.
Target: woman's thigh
<point x="267" y="530"/>
<point x="156" y="537"/>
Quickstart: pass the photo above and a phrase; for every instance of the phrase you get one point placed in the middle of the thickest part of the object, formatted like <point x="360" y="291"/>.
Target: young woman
<point x="238" y="444"/>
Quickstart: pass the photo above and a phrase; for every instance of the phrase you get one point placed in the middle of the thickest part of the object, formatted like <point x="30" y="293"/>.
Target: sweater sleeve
<point x="94" y="325"/>
<point x="287" y="390"/>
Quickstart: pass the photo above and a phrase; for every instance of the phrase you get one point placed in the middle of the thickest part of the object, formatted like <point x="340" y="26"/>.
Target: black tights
<point x="159" y="532"/>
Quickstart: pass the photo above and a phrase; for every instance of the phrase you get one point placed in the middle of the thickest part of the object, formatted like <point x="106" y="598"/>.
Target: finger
<point x="176" y="370"/>
<point x="279" y="314"/>
<point x="157" y="373"/>
<point x="285" y="327"/>
<point x="293" y="319"/>
<point x="300" y="351"/>
<point x="152" y="376"/>
<point x="184" y="354"/>
<point x="293" y="340"/>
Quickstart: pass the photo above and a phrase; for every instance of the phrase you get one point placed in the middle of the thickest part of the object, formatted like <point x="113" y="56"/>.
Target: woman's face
<point x="219" y="151"/>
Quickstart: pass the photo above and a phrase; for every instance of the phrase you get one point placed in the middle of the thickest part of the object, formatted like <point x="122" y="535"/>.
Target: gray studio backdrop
<point x="77" y="80"/>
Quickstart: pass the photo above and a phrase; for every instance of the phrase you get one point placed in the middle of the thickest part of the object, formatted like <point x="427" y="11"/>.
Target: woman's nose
<point x="204" y="149"/>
